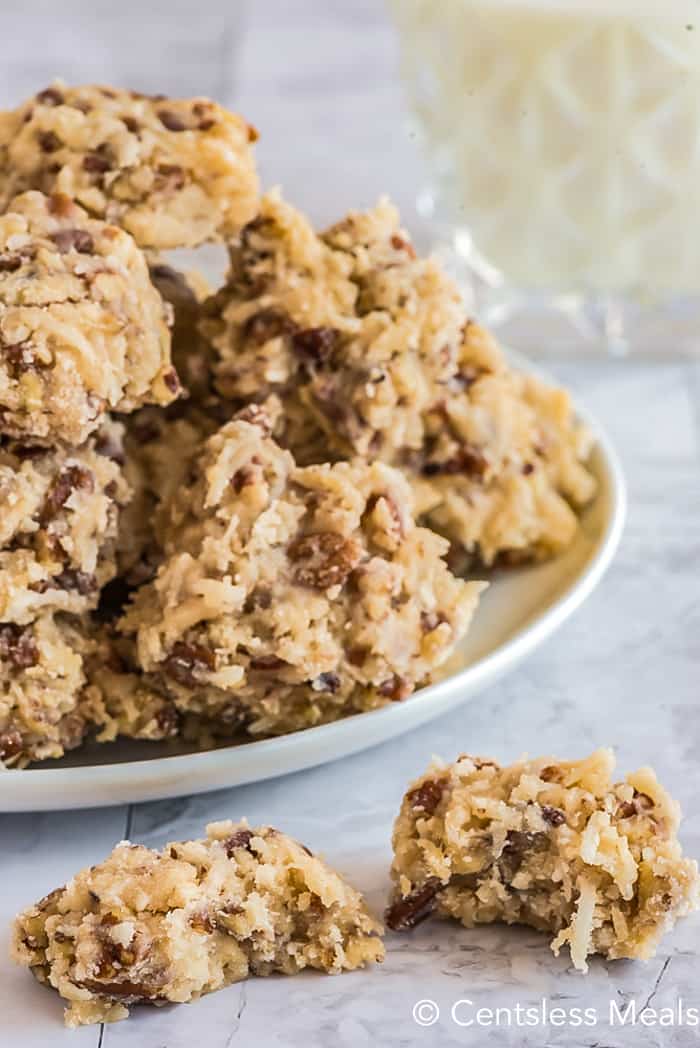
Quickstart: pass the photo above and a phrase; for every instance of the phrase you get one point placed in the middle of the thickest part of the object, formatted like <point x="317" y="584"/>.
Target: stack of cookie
<point x="246" y="511"/>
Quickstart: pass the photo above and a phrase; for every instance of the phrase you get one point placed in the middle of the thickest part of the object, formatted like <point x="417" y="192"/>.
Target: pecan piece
<point x="267" y="324"/>
<point x="326" y="682"/>
<point x="17" y="646"/>
<point x="48" y="141"/>
<point x="410" y="910"/>
<point x="554" y="816"/>
<point x="399" y="244"/>
<point x="185" y="661"/>
<point x="73" y="478"/>
<point x="323" y="559"/>
<point x="255" y="415"/>
<point x="316" y="345"/>
<point x="70" y="579"/>
<point x="239" y="839"/>
<point x="124" y="990"/>
<point x="50" y="96"/>
<point x="518" y="844"/>
<point x="171" y="121"/>
<point x="395" y="688"/>
<point x="468" y="459"/>
<point x="427" y="796"/>
<point x="74" y="240"/>
<point x="10" y="744"/>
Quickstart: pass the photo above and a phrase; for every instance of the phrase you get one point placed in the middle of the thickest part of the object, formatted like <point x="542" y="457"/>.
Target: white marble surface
<point x="318" y="78"/>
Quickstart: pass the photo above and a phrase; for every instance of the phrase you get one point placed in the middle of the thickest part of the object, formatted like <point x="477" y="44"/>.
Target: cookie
<point x="152" y="927"/>
<point x="41" y="680"/>
<point x="554" y="844"/>
<point x="172" y="172"/>
<point x="293" y="596"/>
<point x="59" y="523"/>
<point x="82" y="329"/>
<point x="370" y="353"/>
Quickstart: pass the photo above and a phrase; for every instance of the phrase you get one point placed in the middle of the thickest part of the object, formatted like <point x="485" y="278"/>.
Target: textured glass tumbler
<point x="563" y="145"/>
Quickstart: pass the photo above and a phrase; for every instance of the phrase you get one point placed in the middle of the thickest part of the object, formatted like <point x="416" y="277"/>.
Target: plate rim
<point x="39" y="789"/>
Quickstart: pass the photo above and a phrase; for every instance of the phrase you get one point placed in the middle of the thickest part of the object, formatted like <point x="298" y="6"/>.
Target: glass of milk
<point x="563" y="144"/>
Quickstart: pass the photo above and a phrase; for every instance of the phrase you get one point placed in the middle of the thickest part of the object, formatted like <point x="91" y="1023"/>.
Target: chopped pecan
<point x="168" y="720"/>
<point x="172" y="382"/>
<point x="185" y="661"/>
<point x="18" y="646"/>
<point x="400" y="244"/>
<point x="518" y="844"/>
<point x="108" y="445"/>
<point x="124" y="990"/>
<point x="550" y="773"/>
<point x="49" y="142"/>
<point x="395" y="688"/>
<point x="97" y="163"/>
<point x="410" y="910"/>
<point x="239" y="839"/>
<point x="323" y="559"/>
<point x="171" y="120"/>
<point x="326" y="682"/>
<point x="267" y="662"/>
<point x="74" y="240"/>
<point x="170" y="177"/>
<point x="202" y="922"/>
<point x="255" y="415"/>
<point x="427" y="796"/>
<point x="640" y="803"/>
<point x="19" y="357"/>
<point x="50" y="96"/>
<point x="468" y="459"/>
<point x="316" y="345"/>
<point x="79" y="581"/>
<point x="395" y="527"/>
<point x="72" y="478"/>
<point x="10" y="263"/>
<point x="554" y="816"/>
<point x="267" y="324"/>
<point x="243" y="478"/>
<point x="10" y="744"/>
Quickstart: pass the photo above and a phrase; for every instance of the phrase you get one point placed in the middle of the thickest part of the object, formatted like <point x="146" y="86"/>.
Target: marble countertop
<point x="319" y="80"/>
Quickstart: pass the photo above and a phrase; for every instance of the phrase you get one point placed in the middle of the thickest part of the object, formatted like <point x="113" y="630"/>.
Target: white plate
<point x="519" y="611"/>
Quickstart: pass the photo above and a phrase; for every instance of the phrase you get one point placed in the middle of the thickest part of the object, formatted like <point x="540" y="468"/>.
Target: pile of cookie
<point x="249" y="509"/>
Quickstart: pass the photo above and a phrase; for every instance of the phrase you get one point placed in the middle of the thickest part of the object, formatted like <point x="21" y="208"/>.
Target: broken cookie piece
<point x="59" y="523"/>
<point x="172" y="172"/>
<point x="370" y="352"/>
<point x="82" y="329"/>
<point x="552" y="844"/>
<point x="157" y="927"/>
<point x="290" y="597"/>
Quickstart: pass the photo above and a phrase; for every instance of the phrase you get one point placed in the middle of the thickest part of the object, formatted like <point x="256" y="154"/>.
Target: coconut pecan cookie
<point x="41" y="679"/>
<point x="370" y="352"/>
<point x="156" y="927"/>
<point x="291" y="596"/>
<point x="82" y="329"/>
<point x="59" y="523"/>
<point x="172" y="172"/>
<point x="63" y="677"/>
<point x="159" y="446"/>
<point x="553" y="844"/>
<point x="117" y="700"/>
